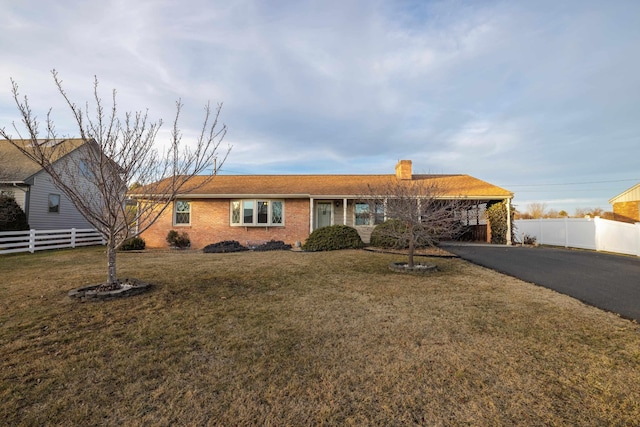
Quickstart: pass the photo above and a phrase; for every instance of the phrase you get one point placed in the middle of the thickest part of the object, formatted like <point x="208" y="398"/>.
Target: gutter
<point x="302" y="196"/>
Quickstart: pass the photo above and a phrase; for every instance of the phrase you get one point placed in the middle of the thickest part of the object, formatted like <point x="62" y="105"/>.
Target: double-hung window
<point x="54" y="203"/>
<point x="256" y="213"/>
<point x="182" y="213"/>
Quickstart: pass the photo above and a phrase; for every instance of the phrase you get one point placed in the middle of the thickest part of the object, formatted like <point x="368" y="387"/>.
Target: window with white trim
<point x="54" y="203"/>
<point x="257" y="213"/>
<point x="182" y="212"/>
<point x="364" y="215"/>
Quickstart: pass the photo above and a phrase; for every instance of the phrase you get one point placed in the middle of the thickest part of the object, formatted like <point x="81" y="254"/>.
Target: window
<point x="364" y="216"/>
<point x="235" y="212"/>
<point x="85" y="171"/>
<point x="247" y="211"/>
<point x="257" y="213"/>
<point x="276" y="212"/>
<point x="54" y="203"/>
<point x="182" y="214"/>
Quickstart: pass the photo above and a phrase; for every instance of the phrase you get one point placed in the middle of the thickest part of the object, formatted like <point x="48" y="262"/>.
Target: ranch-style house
<point x="254" y="209"/>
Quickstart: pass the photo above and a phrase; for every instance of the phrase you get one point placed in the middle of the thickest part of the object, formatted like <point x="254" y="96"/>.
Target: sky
<point x="539" y="97"/>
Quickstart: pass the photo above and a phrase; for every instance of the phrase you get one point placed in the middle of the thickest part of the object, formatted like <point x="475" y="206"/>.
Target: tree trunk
<point x="111" y="263"/>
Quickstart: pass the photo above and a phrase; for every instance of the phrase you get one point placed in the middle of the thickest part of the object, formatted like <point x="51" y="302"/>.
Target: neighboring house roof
<point x="317" y="186"/>
<point x="630" y="195"/>
<point x="16" y="167"/>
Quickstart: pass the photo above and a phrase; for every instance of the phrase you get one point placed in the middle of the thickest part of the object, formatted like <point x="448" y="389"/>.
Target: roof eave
<point x="13" y="183"/>
<point x="302" y="196"/>
<point x="624" y="193"/>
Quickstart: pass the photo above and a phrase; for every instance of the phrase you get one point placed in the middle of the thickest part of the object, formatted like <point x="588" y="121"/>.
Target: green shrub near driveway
<point x="332" y="238"/>
<point x="385" y="235"/>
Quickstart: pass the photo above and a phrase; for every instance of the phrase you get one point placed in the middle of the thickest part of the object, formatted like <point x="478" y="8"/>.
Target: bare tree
<point x="552" y="213"/>
<point x="537" y="209"/>
<point x="422" y="215"/>
<point x="118" y="150"/>
<point x="521" y="215"/>
<point x="593" y="212"/>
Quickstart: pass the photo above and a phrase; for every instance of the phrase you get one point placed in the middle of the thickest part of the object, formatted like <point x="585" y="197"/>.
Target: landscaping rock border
<point x="128" y="287"/>
<point x="402" y="267"/>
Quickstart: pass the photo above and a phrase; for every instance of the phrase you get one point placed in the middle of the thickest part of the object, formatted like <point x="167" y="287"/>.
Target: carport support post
<point x="509" y="222"/>
<point x="344" y="211"/>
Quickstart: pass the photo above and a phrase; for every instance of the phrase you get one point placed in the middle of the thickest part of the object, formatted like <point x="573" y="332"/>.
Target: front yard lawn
<point x="285" y="338"/>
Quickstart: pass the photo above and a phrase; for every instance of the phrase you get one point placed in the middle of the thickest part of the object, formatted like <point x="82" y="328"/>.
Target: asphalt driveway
<point x="610" y="282"/>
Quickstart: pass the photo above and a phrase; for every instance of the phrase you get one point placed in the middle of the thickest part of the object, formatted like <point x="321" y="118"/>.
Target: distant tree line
<point x="540" y="210"/>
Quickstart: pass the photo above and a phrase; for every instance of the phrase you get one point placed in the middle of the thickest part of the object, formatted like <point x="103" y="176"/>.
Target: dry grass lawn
<point x="284" y="338"/>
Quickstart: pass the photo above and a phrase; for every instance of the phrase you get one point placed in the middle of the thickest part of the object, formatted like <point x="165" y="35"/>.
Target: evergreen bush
<point x="333" y="237"/>
<point x="12" y="217"/>
<point x="178" y="240"/>
<point x="389" y="235"/>
<point x="273" y="245"/>
<point x="224" y="247"/>
<point x="134" y="244"/>
<point x="497" y="216"/>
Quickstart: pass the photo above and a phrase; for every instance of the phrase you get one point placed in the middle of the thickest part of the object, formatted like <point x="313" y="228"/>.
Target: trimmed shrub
<point x="273" y="245"/>
<point x="178" y="240"/>
<point x="390" y="235"/>
<point x="133" y="244"/>
<point x="12" y="217"/>
<point x="224" y="247"/>
<point x="333" y="237"/>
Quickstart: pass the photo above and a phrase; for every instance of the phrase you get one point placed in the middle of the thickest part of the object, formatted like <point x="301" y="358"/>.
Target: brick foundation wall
<point x="210" y="223"/>
<point x="627" y="211"/>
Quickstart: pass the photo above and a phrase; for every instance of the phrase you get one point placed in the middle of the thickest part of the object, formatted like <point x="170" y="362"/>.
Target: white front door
<point x="323" y="214"/>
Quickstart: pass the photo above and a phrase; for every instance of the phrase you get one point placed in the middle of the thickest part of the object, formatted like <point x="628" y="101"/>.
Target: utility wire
<point x="571" y="183"/>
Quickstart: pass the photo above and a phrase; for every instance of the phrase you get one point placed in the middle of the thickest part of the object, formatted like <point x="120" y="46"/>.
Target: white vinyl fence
<point x="40" y="240"/>
<point x="586" y="233"/>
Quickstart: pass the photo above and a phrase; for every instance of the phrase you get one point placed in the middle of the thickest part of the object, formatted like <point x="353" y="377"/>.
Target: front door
<point x="323" y="214"/>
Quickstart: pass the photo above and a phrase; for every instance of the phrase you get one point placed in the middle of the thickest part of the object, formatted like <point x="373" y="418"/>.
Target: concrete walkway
<point x="610" y="282"/>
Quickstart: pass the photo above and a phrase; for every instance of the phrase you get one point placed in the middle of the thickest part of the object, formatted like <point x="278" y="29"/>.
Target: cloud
<point x="509" y="92"/>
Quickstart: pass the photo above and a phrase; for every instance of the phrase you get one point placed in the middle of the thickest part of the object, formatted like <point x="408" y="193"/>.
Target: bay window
<point x="256" y="213"/>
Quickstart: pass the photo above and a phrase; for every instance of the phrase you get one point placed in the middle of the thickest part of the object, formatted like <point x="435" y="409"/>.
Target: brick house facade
<point x="254" y="209"/>
<point x="210" y="223"/>
<point x="626" y="205"/>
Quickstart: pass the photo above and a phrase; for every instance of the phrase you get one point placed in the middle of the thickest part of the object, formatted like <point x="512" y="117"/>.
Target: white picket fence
<point x="586" y="233"/>
<point x="40" y="240"/>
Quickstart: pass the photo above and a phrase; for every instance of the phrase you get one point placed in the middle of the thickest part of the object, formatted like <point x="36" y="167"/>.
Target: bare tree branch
<point x="117" y="151"/>
<point x="422" y="215"/>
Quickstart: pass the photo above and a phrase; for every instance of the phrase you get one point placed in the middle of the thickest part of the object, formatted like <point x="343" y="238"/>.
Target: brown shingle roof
<point x="16" y="167"/>
<point x="318" y="186"/>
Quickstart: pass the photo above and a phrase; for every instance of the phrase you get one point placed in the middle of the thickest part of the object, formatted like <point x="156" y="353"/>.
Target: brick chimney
<point x="403" y="170"/>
